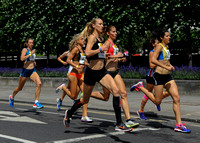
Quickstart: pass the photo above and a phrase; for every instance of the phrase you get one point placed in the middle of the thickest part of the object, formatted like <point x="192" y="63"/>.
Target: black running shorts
<point x="93" y="76"/>
<point x="161" y="79"/>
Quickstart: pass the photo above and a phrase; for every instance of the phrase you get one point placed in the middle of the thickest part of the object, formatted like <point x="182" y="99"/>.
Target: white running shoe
<point x="131" y="124"/>
<point x="59" y="87"/>
<point x="86" y="119"/>
<point x="81" y="95"/>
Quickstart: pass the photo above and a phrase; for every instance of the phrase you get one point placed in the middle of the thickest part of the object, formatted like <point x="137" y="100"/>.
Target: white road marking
<point x="100" y="119"/>
<point x="16" y="139"/>
<point x="100" y="135"/>
<point x="11" y="116"/>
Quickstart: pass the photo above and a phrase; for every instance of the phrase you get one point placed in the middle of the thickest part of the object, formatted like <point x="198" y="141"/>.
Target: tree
<point x="52" y="23"/>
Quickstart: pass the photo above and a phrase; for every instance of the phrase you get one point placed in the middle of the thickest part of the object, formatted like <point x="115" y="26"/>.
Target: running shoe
<point x="141" y="115"/>
<point x="182" y="128"/>
<point x="59" y="103"/>
<point x="86" y="119"/>
<point x="131" y="124"/>
<point x="66" y="120"/>
<point x="123" y="128"/>
<point x="137" y="86"/>
<point x="158" y="107"/>
<point x="38" y="105"/>
<point x="81" y="95"/>
<point x="11" y="101"/>
<point x="59" y="87"/>
<point x="74" y="101"/>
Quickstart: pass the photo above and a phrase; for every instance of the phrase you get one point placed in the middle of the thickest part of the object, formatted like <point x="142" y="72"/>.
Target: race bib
<point x="82" y="58"/>
<point x="101" y="55"/>
<point x="116" y="49"/>
<point x="32" y="57"/>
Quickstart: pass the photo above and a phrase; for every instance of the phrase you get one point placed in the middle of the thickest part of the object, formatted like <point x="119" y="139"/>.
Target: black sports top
<point x="97" y="45"/>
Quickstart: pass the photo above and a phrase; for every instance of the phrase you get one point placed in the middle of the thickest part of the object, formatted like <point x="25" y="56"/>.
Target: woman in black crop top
<point x="95" y="72"/>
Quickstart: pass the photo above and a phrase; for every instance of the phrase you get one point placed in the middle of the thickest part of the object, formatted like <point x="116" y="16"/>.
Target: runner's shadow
<point x="32" y="111"/>
<point x="158" y="125"/>
<point x="117" y="139"/>
<point x="151" y="114"/>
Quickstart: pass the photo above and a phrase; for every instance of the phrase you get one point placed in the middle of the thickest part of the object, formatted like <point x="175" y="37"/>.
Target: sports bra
<point x="32" y="57"/>
<point x="113" y="50"/>
<point x="100" y="55"/>
<point x="165" y="53"/>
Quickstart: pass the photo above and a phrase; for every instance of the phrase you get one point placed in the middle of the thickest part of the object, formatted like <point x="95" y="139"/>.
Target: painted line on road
<point x="100" y="136"/>
<point x="16" y="139"/>
<point x="11" y="116"/>
<point x="96" y="112"/>
<point x="46" y="112"/>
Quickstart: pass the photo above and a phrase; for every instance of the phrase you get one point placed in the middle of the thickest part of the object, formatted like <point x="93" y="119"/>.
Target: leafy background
<point x="51" y="23"/>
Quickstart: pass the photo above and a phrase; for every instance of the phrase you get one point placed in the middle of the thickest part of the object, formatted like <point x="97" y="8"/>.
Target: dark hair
<point x="153" y="37"/>
<point x="161" y="33"/>
<point x="26" y="43"/>
<point x="107" y="29"/>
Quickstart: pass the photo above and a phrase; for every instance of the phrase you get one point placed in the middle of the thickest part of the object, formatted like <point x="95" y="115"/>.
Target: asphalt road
<point x="25" y="124"/>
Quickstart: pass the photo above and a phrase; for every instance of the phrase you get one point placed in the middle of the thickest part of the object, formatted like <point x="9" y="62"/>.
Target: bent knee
<point x="123" y="94"/>
<point x="106" y="98"/>
<point x="158" y="102"/>
<point x="116" y="92"/>
<point x="177" y="99"/>
<point x="73" y="98"/>
<point x="38" y="84"/>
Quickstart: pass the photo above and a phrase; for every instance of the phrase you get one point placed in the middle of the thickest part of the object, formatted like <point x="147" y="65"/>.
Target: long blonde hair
<point x="88" y="28"/>
<point x="73" y="43"/>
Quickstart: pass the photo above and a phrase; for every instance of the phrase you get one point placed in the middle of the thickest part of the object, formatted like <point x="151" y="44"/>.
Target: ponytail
<point x="88" y="28"/>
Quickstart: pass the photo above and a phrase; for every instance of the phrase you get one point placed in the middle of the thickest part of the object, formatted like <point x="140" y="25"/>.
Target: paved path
<point x="190" y="105"/>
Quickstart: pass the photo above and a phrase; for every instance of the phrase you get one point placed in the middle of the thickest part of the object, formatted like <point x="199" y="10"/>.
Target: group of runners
<point x="97" y="61"/>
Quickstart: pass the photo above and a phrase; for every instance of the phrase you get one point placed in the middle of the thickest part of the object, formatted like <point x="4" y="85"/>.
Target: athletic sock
<point x="36" y="101"/>
<point x="143" y="103"/>
<point x="117" y="109"/>
<point x="128" y="120"/>
<point x="76" y="105"/>
<point x="165" y="94"/>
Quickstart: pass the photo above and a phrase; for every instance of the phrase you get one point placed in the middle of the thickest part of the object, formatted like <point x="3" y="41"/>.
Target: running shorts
<point x="150" y="80"/>
<point x="113" y="73"/>
<point x="161" y="79"/>
<point x="93" y="76"/>
<point x="79" y="76"/>
<point x="27" y="72"/>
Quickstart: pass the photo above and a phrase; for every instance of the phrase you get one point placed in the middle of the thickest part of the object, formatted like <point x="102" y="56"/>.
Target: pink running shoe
<point x="182" y="128"/>
<point x="137" y="86"/>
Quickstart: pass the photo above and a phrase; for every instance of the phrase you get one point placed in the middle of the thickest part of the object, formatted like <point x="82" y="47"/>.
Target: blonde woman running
<point x="96" y="71"/>
<point x="77" y="60"/>
<point x="59" y="100"/>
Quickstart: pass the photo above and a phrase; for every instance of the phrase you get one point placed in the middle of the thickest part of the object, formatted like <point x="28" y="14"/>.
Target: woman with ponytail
<point x="96" y="71"/>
